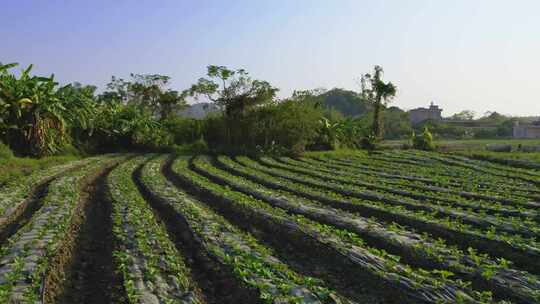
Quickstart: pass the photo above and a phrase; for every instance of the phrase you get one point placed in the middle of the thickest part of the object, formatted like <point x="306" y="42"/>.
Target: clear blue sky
<point x="478" y="55"/>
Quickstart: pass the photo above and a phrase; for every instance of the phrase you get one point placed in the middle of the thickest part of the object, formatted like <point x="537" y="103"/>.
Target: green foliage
<point x="36" y="115"/>
<point x="184" y="130"/>
<point x="369" y="142"/>
<point x="69" y="150"/>
<point x="14" y="168"/>
<point x="378" y="93"/>
<point x="5" y="151"/>
<point x="287" y="127"/>
<point x="424" y="141"/>
<point x="128" y="127"/>
<point x="464" y="115"/>
<point x="396" y="124"/>
<point x="233" y="90"/>
<point x="149" y="92"/>
<point x="197" y="147"/>
<point x="348" y="103"/>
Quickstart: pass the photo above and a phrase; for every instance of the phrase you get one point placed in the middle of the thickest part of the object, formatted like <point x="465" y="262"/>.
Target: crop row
<point x="416" y="200"/>
<point x="477" y="178"/>
<point x="505" y="172"/>
<point x="252" y="265"/>
<point x="522" y="251"/>
<point x="332" y="246"/>
<point x="152" y="270"/>
<point x="492" y="225"/>
<point x="464" y="179"/>
<point x="414" y="249"/>
<point x="495" y="167"/>
<point x="14" y="197"/>
<point x="429" y="171"/>
<point x="443" y="193"/>
<point x="31" y="258"/>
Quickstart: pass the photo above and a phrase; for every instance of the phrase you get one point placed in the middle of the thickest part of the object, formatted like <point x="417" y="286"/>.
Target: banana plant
<point x="37" y="113"/>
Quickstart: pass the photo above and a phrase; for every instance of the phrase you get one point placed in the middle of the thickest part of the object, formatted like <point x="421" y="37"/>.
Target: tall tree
<point x="147" y="92"/>
<point x="378" y="93"/>
<point x="236" y="93"/>
<point x="233" y="90"/>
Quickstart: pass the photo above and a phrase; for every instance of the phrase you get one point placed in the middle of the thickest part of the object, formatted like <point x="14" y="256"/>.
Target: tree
<point x="148" y="92"/>
<point x="464" y="115"/>
<point x="396" y="123"/>
<point x="379" y="94"/>
<point x="234" y="91"/>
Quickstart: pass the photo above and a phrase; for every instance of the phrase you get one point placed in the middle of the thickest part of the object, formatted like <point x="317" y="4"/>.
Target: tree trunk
<point x="376" y="128"/>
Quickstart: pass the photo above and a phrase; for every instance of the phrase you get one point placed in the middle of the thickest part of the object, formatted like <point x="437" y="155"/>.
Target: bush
<point x="369" y="142"/>
<point x="184" y="130"/>
<point x="69" y="150"/>
<point x="5" y="151"/>
<point x="197" y="147"/>
<point x="424" y="141"/>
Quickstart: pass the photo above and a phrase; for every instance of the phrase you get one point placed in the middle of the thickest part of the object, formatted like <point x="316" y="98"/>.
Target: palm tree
<point x="379" y="93"/>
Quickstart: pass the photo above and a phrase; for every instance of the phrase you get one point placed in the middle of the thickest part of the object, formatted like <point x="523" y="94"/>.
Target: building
<point x="528" y="130"/>
<point x="420" y="114"/>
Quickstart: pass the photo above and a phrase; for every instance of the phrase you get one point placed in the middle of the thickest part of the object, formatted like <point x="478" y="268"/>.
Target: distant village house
<point x="527" y="130"/>
<point x="420" y="114"/>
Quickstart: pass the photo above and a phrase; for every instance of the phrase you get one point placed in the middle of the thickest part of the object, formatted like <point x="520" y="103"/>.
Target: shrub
<point x="5" y="151"/>
<point x="184" y="130"/>
<point x="197" y="147"/>
<point x="369" y="142"/>
<point x="69" y="150"/>
<point x="424" y="141"/>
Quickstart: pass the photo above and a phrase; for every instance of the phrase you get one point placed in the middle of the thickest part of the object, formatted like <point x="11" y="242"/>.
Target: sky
<point x="481" y="55"/>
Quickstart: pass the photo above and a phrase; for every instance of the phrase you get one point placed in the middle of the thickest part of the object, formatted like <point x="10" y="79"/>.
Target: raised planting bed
<point x="413" y="248"/>
<point x="444" y="192"/>
<point x="255" y="273"/>
<point x="510" y="226"/>
<point x="32" y="261"/>
<point x="152" y="269"/>
<point x="522" y="251"/>
<point x="498" y="167"/>
<point x="22" y="197"/>
<point x="531" y="179"/>
<point x="331" y="248"/>
<point x="467" y="179"/>
<point x="417" y="200"/>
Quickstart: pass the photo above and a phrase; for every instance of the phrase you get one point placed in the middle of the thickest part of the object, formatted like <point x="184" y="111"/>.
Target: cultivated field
<point x="391" y="227"/>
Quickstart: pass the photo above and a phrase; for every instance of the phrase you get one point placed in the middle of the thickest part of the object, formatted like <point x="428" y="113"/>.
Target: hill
<point x="349" y="103"/>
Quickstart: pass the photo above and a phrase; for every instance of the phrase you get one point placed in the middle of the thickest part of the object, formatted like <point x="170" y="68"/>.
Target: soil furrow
<point x="218" y="285"/>
<point x="302" y="252"/>
<point x="91" y="277"/>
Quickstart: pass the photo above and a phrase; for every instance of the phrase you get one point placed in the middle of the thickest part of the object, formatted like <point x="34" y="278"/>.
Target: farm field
<point x="470" y="145"/>
<point x="328" y="227"/>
